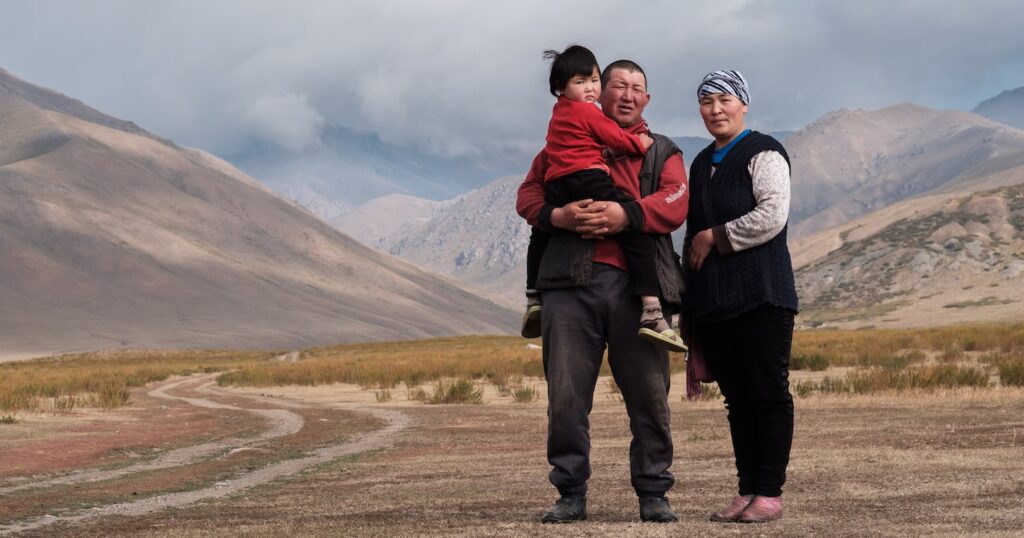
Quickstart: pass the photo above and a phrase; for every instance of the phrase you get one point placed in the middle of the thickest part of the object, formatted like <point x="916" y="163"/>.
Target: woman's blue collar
<point x="719" y="154"/>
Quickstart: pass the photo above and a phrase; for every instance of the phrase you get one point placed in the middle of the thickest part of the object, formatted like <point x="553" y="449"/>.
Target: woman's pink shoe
<point x="732" y="512"/>
<point x="762" y="509"/>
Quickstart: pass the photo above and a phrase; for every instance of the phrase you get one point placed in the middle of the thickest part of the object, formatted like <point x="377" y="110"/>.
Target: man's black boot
<point x="656" y="510"/>
<point x="567" y="508"/>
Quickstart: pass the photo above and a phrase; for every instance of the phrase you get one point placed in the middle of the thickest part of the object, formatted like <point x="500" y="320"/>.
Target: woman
<point x="740" y="297"/>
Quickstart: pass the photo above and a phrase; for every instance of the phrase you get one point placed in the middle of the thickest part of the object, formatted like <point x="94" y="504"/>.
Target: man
<point x="587" y="303"/>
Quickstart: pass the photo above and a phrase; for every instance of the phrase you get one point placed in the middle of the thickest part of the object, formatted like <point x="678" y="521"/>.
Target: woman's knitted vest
<point x="729" y="285"/>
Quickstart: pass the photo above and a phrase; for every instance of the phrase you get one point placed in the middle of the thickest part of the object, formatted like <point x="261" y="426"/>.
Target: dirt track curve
<point x="280" y="422"/>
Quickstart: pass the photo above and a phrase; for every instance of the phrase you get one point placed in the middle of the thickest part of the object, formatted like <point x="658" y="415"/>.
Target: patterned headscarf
<point x="730" y="82"/>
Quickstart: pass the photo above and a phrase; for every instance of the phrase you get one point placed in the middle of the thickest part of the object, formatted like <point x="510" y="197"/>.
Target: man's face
<point x="625" y="96"/>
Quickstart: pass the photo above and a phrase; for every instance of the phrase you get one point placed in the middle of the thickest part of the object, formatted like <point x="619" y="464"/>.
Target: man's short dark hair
<point x="565" y="65"/>
<point x="628" y="65"/>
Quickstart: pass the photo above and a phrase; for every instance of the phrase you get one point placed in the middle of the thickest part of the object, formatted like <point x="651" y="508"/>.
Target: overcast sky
<point x="456" y="77"/>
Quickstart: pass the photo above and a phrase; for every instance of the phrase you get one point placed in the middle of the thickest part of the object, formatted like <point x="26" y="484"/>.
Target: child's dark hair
<point x="575" y="60"/>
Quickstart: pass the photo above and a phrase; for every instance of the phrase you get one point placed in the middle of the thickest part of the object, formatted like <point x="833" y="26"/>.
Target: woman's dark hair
<point x="575" y="60"/>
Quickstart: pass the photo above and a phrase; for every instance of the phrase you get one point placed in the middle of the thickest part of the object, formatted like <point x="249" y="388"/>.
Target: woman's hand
<point x="700" y="247"/>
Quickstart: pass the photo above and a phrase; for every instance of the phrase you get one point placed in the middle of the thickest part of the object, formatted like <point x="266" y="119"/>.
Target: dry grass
<point x="524" y="395"/>
<point x="708" y="392"/>
<point x="388" y="364"/>
<point x="815" y="362"/>
<point x="898" y="348"/>
<point x="1011" y="371"/>
<point x="60" y="384"/>
<point x="385" y="365"/>
<point x="862" y="346"/>
<point x="458" y="391"/>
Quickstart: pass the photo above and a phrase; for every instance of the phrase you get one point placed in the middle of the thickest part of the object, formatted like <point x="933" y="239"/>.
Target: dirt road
<point x="280" y="420"/>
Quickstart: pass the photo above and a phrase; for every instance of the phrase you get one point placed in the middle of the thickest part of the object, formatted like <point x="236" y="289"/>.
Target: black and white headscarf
<point x="730" y="82"/>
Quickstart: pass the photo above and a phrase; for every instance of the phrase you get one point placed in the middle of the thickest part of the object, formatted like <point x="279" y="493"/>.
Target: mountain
<point x="111" y="236"/>
<point x="477" y="239"/>
<point x="1006" y="108"/>
<point x="851" y="162"/>
<point x="348" y="168"/>
<point x="376" y="222"/>
<point x="933" y="260"/>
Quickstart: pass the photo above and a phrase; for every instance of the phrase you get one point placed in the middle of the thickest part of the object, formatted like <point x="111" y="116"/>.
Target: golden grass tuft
<point x="524" y="395"/>
<point x="815" y="362"/>
<point x="709" y="391"/>
<point x="1011" y="371"/>
<point x="458" y="391"/>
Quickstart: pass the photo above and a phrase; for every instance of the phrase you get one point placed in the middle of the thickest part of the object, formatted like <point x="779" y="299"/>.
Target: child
<point x="578" y="133"/>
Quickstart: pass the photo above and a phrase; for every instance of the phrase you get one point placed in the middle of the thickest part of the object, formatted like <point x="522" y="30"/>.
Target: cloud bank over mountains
<point x="462" y="78"/>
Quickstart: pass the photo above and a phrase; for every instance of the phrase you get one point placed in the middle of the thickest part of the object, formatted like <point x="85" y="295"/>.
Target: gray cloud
<point x="463" y="77"/>
<point x="286" y="120"/>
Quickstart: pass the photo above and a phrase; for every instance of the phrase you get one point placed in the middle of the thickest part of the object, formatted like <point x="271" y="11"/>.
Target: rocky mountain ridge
<point x="953" y="258"/>
<point x="851" y="162"/>
<point x="1006" y="108"/>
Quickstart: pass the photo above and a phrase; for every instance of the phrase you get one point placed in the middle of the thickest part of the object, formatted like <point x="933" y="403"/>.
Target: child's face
<point x="586" y="89"/>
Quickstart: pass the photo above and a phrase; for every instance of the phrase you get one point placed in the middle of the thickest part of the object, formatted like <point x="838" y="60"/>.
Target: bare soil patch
<point x="90" y="437"/>
<point x="285" y="438"/>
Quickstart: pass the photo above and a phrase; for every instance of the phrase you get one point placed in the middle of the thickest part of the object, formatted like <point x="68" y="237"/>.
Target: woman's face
<point x="723" y="116"/>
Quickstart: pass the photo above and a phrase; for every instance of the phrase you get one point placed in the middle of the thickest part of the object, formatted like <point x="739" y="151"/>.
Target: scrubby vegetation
<point x="61" y="384"/>
<point x="1011" y="370"/>
<point x="382" y="365"/>
<point x="857" y="362"/>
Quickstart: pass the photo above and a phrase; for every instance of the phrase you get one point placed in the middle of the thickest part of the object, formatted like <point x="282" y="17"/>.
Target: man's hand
<point x="601" y="219"/>
<point x="700" y="247"/>
<point x="594" y="220"/>
<point x="566" y="217"/>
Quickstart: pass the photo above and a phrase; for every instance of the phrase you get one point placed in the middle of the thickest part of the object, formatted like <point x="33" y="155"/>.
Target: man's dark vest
<point x="569" y="260"/>
<point x="729" y="285"/>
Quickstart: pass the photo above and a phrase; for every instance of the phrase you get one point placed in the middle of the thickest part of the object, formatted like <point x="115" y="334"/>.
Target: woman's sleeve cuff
<point x="721" y="237"/>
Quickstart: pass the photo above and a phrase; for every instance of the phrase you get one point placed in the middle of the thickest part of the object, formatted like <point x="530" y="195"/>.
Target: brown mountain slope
<point x="851" y="162"/>
<point x="933" y="260"/>
<point x="110" y="236"/>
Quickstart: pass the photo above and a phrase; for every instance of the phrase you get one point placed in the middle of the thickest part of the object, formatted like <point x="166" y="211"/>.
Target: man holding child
<point x="589" y="303"/>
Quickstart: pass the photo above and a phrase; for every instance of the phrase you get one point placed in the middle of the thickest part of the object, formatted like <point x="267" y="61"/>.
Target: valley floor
<point x="189" y="459"/>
